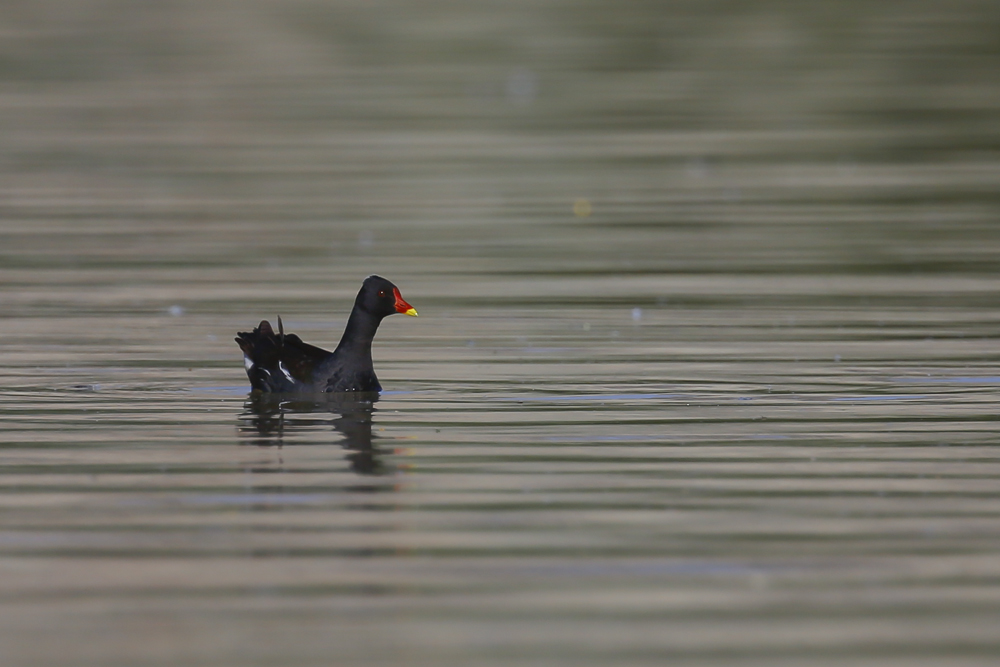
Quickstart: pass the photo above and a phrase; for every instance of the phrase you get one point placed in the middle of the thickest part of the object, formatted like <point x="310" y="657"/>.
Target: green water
<point x="705" y="370"/>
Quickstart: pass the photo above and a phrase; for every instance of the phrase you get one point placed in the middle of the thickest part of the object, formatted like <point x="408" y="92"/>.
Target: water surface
<point x="705" y="370"/>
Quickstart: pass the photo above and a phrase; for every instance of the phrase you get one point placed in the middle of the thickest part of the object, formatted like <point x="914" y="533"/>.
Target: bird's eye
<point x="381" y="294"/>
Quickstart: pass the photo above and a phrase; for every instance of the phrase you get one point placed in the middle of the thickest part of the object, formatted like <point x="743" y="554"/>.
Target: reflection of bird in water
<point x="268" y="417"/>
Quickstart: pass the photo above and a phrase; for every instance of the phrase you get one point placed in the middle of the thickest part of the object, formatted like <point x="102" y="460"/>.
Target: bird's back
<point x="281" y="363"/>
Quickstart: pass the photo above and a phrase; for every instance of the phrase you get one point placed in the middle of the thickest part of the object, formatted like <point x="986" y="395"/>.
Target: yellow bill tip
<point x="412" y="312"/>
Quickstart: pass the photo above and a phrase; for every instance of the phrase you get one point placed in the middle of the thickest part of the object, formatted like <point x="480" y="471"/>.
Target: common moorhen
<point x="283" y="363"/>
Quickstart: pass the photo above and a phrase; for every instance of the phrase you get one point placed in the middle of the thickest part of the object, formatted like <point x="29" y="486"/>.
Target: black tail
<point x="261" y="356"/>
<point x="278" y="363"/>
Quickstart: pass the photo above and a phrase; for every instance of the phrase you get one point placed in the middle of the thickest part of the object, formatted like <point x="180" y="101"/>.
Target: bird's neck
<point x="359" y="333"/>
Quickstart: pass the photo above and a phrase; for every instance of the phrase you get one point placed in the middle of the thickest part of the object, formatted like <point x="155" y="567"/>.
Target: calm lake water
<point x="706" y="368"/>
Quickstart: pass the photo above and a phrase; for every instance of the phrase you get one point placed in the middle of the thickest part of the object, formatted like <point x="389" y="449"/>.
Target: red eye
<point x="381" y="294"/>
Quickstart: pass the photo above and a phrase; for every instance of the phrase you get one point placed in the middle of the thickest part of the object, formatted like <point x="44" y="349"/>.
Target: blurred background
<point x="299" y="131"/>
<point x="705" y="367"/>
